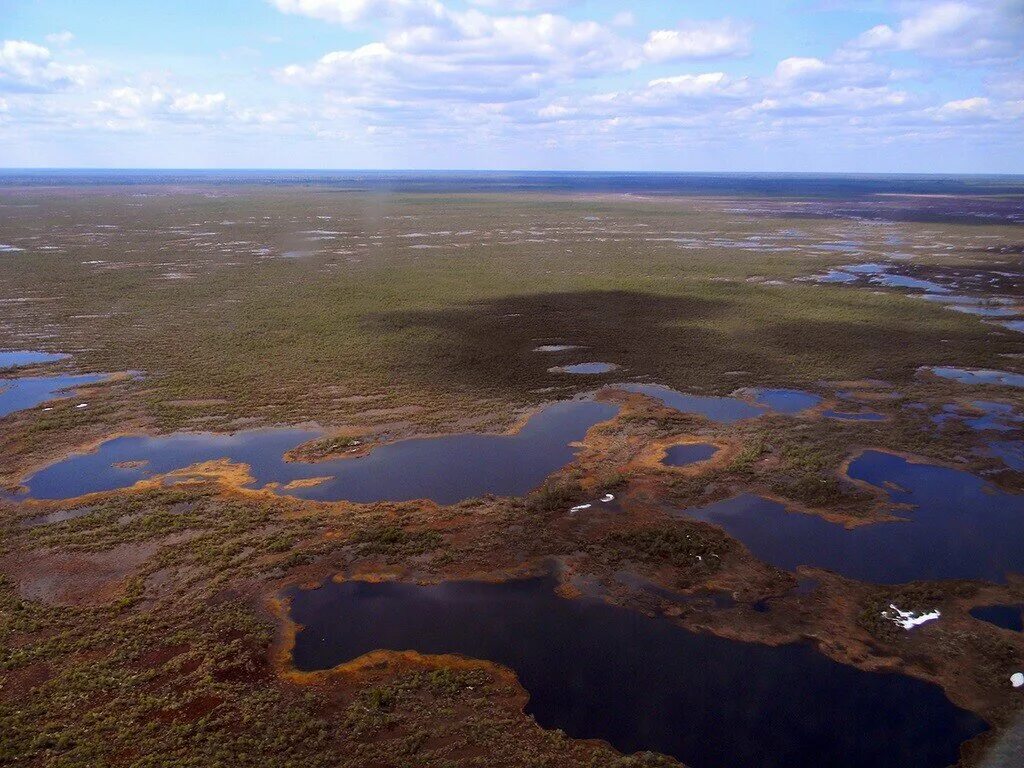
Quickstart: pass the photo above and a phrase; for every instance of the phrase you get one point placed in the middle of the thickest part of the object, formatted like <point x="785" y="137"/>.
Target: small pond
<point x="788" y="401"/>
<point x="978" y="376"/>
<point x="1005" y="616"/>
<point x="644" y="683"/>
<point x="30" y="391"/>
<point x="17" y="358"/>
<point x="960" y="527"/>
<point x="724" y="410"/>
<point x="688" y="453"/>
<point x="445" y="469"/>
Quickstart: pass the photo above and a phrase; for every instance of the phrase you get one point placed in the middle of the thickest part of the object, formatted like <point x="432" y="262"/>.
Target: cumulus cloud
<point x="699" y="40"/>
<point x="978" y="109"/>
<point x="476" y="57"/>
<point x="356" y="11"/>
<point x="983" y="28"/>
<point x="847" y="100"/>
<point x="139" y="106"/>
<point x="805" y="72"/>
<point x="28" y="67"/>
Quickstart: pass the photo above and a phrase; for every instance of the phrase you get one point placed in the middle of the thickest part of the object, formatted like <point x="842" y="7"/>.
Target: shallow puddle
<point x="555" y="347"/>
<point x="996" y="417"/>
<point x="688" y="453"/>
<point x="644" y="683"/>
<point x="17" y="358"/>
<point x="1010" y="452"/>
<point x="445" y="469"/>
<point x="588" y="369"/>
<point x="978" y="376"/>
<point x="28" y="392"/>
<point x="836" y="276"/>
<point x="960" y="527"/>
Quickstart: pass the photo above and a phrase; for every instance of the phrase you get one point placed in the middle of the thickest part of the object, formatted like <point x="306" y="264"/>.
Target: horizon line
<point x="287" y="169"/>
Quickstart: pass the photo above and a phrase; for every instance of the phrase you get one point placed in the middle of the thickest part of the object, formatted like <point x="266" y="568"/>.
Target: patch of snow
<point x="909" y="619"/>
<point x="1017" y="679"/>
<point x="580" y="507"/>
<point x="607" y="497"/>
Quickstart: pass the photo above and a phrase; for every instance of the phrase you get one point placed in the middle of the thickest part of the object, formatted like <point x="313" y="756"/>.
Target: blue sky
<point x="768" y="85"/>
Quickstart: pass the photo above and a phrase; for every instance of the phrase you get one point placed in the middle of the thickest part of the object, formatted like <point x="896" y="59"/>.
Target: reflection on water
<point x="1005" y="616"/>
<point x="644" y="683"/>
<point x="446" y="469"/>
<point x="584" y="368"/>
<point x="788" y="401"/>
<point x="28" y="392"/>
<point x="978" y="375"/>
<point x="960" y="527"/>
<point x="724" y="410"/>
<point x="688" y="453"/>
<point x="16" y="358"/>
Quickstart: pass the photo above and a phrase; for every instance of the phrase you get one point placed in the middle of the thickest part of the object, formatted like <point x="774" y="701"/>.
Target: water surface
<point x="788" y="401"/>
<point x="16" y="358"/>
<point x="724" y="410"/>
<point x="1005" y="616"/>
<point x="959" y="528"/>
<point x="978" y="375"/>
<point x="30" y="391"/>
<point x="445" y="469"/>
<point x="585" y="368"/>
<point x="688" y="453"/>
<point x="644" y="683"/>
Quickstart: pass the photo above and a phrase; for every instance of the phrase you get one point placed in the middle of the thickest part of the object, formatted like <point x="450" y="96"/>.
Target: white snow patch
<point x="909" y="619"/>
<point x="580" y="507"/>
<point x="1017" y="679"/>
<point x="608" y="497"/>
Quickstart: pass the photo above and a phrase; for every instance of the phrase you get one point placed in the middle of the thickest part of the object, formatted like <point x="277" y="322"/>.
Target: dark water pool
<point x="643" y="683"/>
<point x="445" y="469"/>
<point x="960" y="528"/>
<point x="1005" y="616"/>
<point x="688" y="453"/>
<point x="30" y="391"/>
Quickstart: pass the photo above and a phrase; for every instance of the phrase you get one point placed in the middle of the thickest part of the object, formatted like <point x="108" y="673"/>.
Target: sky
<point x="754" y="85"/>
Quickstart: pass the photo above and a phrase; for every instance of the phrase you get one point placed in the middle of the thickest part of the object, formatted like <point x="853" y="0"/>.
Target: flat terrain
<point x="148" y="626"/>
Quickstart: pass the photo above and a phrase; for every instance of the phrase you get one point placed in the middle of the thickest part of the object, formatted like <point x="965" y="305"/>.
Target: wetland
<point x="456" y="470"/>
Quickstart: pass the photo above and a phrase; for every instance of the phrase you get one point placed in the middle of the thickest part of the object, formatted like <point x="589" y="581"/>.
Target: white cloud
<point x="356" y="11"/>
<point x="983" y="28"/>
<point x="847" y="100"/>
<point x="800" y="72"/>
<point x="198" y="103"/>
<point x="699" y="40"/>
<point x="977" y="109"/>
<point x="60" y="38"/>
<point x="475" y="57"/>
<point x="28" y="67"/>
